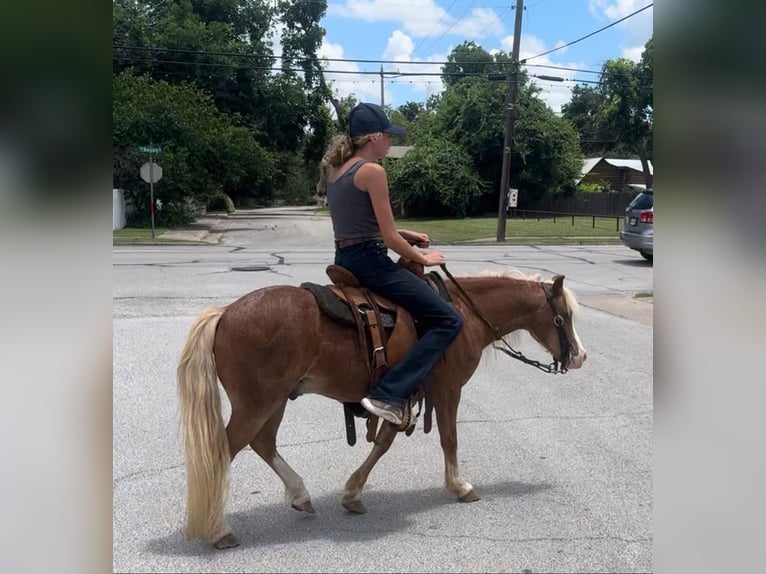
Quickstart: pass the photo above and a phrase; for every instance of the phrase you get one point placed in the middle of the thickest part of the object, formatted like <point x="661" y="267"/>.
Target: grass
<point x="140" y="235"/>
<point x="516" y="229"/>
<point x="473" y="229"/>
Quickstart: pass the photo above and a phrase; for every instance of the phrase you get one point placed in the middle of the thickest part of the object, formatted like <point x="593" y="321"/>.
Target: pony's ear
<point x="558" y="285"/>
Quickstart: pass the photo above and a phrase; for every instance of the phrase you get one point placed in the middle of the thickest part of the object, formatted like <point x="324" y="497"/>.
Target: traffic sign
<point x="150" y="149"/>
<point x="151" y="172"/>
<point x="513" y="198"/>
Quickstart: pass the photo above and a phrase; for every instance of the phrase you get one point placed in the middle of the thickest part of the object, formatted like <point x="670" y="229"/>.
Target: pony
<point x="275" y="343"/>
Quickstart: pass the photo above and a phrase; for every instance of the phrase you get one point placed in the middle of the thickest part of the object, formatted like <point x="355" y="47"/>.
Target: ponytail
<point x="339" y="150"/>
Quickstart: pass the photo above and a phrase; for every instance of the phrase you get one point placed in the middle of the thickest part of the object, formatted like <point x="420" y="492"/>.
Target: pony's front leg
<point x="446" y="418"/>
<point x="352" y="492"/>
<point x="265" y="444"/>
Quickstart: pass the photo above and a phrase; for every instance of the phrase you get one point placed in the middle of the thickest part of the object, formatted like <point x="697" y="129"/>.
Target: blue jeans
<point x="439" y="322"/>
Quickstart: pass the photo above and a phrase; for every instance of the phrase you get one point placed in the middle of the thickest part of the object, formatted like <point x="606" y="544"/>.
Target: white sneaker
<point x="386" y="411"/>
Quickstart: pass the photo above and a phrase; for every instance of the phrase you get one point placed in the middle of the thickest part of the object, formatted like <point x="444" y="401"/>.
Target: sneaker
<point x="386" y="411"/>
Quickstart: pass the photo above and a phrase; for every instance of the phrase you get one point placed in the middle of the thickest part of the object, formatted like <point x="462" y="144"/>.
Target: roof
<point x="590" y="162"/>
<point x="397" y="151"/>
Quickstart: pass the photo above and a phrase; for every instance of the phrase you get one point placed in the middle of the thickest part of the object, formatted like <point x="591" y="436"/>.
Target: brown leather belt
<point x="343" y="243"/>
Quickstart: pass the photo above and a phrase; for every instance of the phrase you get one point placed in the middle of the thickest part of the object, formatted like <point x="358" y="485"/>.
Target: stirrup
<point x="409" y="419"/>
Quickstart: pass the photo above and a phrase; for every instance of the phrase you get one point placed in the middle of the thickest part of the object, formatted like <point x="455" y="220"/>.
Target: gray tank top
<point x="350" y="208"/>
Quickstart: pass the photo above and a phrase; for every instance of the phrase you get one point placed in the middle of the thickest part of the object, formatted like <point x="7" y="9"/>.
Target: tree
<point x="469" y="59"/>
<point x="545" y="155"/>
<point x="583" y="111"/>
<point x="205" y="152"/>
<point x="627" y="106"/>
<point x="435" y="178"/>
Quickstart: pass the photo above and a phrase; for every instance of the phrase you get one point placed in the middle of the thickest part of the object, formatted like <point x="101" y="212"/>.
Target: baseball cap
<point x="369" y="119"/>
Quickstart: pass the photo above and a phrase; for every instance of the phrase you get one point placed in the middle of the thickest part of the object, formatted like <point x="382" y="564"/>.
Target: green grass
<point x="140" y="235"/>
<point x="472" y="229"/>
<point x="516" y="229"/>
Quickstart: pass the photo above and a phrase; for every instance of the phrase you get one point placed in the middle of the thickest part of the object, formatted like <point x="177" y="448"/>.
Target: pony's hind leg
<point x="239" y="432"/>
<point x="446" y="419"/>
<point x="352" y="492"/>
<point x="265" y="444"/>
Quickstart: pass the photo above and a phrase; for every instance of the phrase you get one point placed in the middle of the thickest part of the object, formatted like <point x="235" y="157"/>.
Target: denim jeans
<point x="439" y="323"/>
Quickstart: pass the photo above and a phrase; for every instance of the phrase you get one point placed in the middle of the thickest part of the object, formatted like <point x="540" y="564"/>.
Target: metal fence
<point x="610" y="204"/>
<point x="556" y="215"/>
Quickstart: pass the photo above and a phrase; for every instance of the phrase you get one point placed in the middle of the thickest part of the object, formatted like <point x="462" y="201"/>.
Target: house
<point x="398" y="151"/>
<point x="614" y="174"/>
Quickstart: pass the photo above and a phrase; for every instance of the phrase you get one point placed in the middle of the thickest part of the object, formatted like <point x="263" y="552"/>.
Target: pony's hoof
<point x="354" y="506"/>
<point x="305" y="506"/>
<point x="470" y="496"/>
<point x="226" y="541"/>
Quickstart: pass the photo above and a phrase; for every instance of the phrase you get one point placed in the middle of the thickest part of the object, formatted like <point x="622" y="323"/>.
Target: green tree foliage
<point x="224" y="48"/>
<point x="583" y="111"/>
<point x="469" y="59"/>
<point x="626" y="109"/>
<point x="205" y="152"/>
<point x="546" y="157"/>
<point x="616" y="116"/>
<point x="436" y="178"/>
<point x="472" y="113"/>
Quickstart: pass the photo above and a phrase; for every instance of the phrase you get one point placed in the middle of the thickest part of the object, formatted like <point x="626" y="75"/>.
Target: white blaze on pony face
<point x="576" y="361"/>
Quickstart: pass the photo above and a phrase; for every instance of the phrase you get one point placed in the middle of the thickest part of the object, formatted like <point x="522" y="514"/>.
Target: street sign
<point x="151" y="172"/>
<point x="513" y="198"/>
<point x="150" y="149"/>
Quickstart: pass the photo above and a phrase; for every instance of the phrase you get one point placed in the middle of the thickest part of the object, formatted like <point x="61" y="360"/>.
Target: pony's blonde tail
<point x="206" y="446"/>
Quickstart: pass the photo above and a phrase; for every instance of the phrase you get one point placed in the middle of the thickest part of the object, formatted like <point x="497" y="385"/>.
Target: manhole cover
<point x="252" y="268"/>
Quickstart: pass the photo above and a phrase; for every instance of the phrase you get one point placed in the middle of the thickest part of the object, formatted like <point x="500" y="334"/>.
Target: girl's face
<point x="381" y="142"/>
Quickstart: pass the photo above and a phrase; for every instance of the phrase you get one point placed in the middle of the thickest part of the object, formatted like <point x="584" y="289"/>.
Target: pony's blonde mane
<point x="570" y="298"/>
<point x="515" y="339"/>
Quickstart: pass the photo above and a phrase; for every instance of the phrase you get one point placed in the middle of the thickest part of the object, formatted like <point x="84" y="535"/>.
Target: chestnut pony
<point x="275" y="342"/>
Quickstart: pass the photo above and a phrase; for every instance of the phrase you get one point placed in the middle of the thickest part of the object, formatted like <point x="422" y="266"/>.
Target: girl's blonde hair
<point x="339" y="150"/>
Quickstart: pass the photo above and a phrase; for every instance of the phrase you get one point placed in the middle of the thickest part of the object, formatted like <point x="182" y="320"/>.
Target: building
<point x="614" y="174"/>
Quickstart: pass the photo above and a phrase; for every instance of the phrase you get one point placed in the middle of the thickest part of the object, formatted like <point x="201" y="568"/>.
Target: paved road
<point x="563" y="464"/>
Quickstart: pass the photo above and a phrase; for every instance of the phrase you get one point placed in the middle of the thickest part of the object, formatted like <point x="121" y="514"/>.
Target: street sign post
<point x="151" y="173"/>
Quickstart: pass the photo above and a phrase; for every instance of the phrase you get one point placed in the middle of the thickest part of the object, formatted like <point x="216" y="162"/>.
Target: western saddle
<point x="385" y="332"/>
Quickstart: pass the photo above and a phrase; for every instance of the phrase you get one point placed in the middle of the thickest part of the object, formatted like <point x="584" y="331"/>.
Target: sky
<point x="410" y="31"/>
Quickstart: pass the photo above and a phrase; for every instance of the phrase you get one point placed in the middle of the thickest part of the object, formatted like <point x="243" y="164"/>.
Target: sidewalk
<point x="206" y="229"/>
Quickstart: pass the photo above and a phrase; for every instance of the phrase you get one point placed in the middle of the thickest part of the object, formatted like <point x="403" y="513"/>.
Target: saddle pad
<point x="337" y="308"/>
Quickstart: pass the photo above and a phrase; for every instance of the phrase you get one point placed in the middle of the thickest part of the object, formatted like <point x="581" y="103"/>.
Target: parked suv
<point x="638" y="229"/>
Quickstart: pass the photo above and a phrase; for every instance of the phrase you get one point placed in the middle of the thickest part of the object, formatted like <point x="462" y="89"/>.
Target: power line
<point x="432" y="44"/>
<point x="434" y="28"/>
<point x="593" y="33"/>
<point x="342" y="60"/>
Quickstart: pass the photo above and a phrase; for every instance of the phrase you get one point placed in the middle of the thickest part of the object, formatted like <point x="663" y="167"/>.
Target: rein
<point x="558" y="321"/>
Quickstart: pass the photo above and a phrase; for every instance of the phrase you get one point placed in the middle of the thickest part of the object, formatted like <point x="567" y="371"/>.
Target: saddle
<point x="385" y="332"/>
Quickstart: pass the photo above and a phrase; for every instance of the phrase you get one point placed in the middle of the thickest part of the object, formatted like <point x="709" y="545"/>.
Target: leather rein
<point x="566" y="348"/>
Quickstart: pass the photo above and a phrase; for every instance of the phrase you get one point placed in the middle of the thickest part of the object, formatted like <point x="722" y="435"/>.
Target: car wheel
<point x="647" y="256"/>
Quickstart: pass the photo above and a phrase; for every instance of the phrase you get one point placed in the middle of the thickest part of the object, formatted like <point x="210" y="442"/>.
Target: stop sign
<point x="151" y="172"/>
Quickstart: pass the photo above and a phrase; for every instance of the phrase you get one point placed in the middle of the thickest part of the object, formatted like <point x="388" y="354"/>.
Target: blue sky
<point x="427" y="30"/>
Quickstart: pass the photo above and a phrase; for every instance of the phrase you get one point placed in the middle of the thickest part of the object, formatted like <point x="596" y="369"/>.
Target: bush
<point x="221" y="202"/>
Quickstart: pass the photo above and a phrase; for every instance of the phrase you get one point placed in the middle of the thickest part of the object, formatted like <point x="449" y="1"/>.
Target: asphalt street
<point x="563" y="463"/>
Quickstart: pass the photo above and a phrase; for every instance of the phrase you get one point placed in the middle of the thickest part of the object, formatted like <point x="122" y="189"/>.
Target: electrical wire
<point x="591" y="34"/>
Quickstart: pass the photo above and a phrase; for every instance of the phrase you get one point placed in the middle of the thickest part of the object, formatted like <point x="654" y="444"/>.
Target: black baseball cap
<point x="369" y="119"/>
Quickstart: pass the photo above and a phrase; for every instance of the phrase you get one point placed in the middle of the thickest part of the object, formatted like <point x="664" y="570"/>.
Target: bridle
<point x="558" y="320"/>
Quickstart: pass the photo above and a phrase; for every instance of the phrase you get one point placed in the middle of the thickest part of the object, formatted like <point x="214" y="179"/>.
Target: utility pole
<point x="382" y="101"/>
<point x="510" y="120"/>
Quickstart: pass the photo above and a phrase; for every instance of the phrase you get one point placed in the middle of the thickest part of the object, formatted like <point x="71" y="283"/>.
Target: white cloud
<point x="638" y="29"/>
<point x="554" y="93"/>
<point x="398" y="47"/>
<point x="421" y="19"/>
<point x="364" y="86"/>
<point x="482" y="22"/>
<point x="416" y="19"/>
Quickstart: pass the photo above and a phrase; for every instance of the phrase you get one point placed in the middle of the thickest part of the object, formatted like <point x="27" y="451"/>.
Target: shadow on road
<point x="387" y="512"/>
